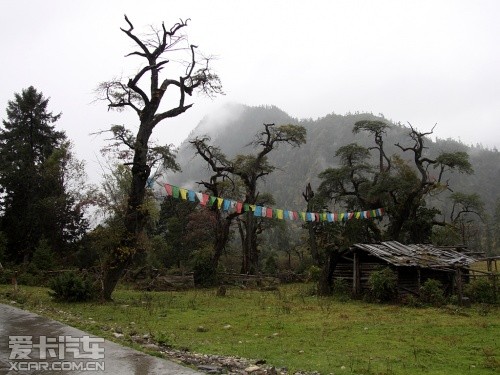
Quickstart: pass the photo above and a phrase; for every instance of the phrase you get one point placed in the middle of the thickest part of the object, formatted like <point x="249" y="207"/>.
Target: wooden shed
<point x="414" y="264"/>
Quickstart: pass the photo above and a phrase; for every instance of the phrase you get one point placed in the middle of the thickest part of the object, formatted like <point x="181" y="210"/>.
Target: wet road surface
<point x="63" y="348"/>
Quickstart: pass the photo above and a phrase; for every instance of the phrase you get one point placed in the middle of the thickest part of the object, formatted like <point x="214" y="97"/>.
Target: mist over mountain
<point x="233" y="127"/>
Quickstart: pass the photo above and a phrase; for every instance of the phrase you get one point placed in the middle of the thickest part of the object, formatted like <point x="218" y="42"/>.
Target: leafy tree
<point x="329" y="241"/>
<point x="111" y="200"/>
<point x="176" y="227"/>
<point x="220" y="184"/>
<point x="405" y="202"/>
<point x="281" y="239"/>
<point x="248" y="170"/>
<point x="146" y="103"/>
<point x="251" y="169"/>
<point x="397" y="185"/>
<point x="36" y="179"/>
<point x="400" y="187"/>
<point x="467" y="208"/>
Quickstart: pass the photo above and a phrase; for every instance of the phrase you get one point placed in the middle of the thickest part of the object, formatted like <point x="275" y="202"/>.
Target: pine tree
<point x="34" y="159"/>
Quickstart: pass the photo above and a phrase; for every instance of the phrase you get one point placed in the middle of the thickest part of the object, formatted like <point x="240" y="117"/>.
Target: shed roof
<point x="418" y="255"/>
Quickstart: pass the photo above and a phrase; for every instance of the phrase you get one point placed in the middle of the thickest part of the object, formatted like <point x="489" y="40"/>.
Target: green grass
<point x="291" y="329"/>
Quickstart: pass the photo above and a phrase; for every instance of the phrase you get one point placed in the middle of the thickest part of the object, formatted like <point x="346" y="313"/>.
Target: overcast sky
<point x="423" y="62"/>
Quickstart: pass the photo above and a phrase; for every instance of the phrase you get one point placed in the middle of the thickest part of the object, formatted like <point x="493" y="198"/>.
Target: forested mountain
<point x="234" y="126"/>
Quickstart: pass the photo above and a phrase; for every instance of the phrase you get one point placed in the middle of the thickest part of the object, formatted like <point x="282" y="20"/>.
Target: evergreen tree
<point x="34" y="163"/>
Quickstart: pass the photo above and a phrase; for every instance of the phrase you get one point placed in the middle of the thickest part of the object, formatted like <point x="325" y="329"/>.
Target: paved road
<point x="51" y="338"/>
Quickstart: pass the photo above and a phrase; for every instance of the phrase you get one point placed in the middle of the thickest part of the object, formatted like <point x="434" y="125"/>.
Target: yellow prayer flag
<point x="183" y="193"/>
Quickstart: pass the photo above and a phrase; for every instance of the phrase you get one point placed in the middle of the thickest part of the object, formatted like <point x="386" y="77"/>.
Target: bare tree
<point x="144" y="96"/>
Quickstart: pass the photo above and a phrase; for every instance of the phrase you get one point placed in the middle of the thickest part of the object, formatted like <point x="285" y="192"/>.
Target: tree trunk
<point x="325" y="282"/>
<point x="221" y="238"/>
<point x="313" y="244"/>
<point x="251" y="245"/>
<point x="244" y="252"/>
<point x="135" y="217"/>
<point x="248" y="233"/>
<point x="111" y="278"/>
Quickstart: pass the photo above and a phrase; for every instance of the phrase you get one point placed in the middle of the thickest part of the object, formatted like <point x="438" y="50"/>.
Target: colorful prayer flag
<point x="219" y="202"/>
<point x="211" y="200"/>
<point x="175" y="192"/>
<point x="183" y="194"/>
<point x="269" y="212"/>
<point x="168" y="189"/>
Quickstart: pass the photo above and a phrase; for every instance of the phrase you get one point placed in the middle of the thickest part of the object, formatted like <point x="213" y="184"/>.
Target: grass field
<point x="289" y="328"/>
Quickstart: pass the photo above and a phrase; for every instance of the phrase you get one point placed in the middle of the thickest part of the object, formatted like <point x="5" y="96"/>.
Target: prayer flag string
<point x="229" y="205"/>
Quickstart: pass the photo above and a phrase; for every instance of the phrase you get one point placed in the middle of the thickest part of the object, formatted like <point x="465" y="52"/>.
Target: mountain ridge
<point x="233" y="127"/>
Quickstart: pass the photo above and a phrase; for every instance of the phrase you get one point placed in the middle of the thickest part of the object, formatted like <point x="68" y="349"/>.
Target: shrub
<point x="431" y="292"/>
<point x="288" y="276"/>
<point x="71" y="287"/>
<point x="341" y="289"/>
<point x="314" y="273"/>
<point x="271" y="265"/>
<point x="43" y="257"/>
<point x="383" y="285"/>
<point x="480" y="291"/>
<point x="6" y="276"/>
<point x="32" y="278"/>
<point x="205" y="275"/>
<point x="29" y="276"/>
<point x="411" y="301"/>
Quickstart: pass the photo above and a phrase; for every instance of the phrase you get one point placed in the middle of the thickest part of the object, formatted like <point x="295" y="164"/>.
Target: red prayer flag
<point x="168" y="189"/>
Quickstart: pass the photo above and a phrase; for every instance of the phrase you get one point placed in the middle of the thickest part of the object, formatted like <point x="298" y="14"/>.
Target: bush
<point x="288" y="276"/>
<point x="314" y="273"/>
<point x="43" y="257"/>
<point x="70" y="287"/>
<point x="271" y="265"/>
<point x="205" y="275"/>
<point x="341" y="289"/>
<point x="480" y="291"/>
<point x="431" y="292"/>
<point x="6" y="276"/>
<point x="383" y="285"/>
<point x="30" y="277"/>
<point x="411" y="301"/>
